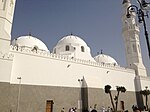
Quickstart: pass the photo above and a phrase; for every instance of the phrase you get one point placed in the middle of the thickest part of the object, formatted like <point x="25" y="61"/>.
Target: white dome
<point x="74" y="47"/>
<point x="29" y="41"/>
<point x="101" y="58"/>
<point x="71" y="39"/>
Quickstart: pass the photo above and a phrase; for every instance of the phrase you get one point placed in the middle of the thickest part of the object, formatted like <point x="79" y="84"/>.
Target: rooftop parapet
<point x="46" y="54"/>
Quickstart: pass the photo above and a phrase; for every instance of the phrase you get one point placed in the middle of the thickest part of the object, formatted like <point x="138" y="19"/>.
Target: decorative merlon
<point x="7" y="56"/>
<point x="46" y="54"/>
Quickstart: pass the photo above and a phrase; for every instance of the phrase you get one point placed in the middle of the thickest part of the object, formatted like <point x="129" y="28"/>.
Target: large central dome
<point x="71" y="39"/>
<point x="74" y="47"/>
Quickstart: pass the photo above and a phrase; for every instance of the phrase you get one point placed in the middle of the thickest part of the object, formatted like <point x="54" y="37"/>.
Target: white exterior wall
<point x="35" y="69"/>
<point x="5" y="69"/>
<point x="6" y="61"/>
<point x="142" y="82"/>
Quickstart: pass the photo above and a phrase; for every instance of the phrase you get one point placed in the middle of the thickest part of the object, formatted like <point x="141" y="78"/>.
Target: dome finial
<point x="101" y="51"/>
<point x="30" y="34"/>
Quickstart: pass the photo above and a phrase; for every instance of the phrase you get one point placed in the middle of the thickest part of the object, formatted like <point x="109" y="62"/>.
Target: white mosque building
<point x="33" y="79"/>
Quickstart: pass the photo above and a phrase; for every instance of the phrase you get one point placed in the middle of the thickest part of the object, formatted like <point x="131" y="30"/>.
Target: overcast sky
<point x="97" y="22"/>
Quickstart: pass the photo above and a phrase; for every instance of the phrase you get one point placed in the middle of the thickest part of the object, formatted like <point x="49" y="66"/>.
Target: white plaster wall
<point x="38" y="70"/>
<point x="5" y="69"/>
<point x="145" y="82"/>
<point x="75" y="51"/>
<point x="142" y="82"/>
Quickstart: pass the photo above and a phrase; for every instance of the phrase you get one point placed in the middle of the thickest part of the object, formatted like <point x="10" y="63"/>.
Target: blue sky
<point x="97" y="22"/>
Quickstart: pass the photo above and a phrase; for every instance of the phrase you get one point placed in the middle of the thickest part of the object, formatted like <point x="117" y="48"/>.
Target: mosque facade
<point x="33" y="79"/>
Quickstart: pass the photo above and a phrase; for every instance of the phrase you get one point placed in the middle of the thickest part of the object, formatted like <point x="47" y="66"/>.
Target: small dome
<point x="101" y="58"/>
<point x="29" y="41"/>
<point x="71" y="39"/>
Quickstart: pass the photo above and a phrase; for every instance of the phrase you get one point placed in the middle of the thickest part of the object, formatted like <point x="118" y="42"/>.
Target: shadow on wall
<point x="139" y="98"/>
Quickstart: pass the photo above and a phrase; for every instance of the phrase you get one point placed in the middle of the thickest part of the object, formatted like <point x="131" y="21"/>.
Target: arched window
<point x="82" y="49"/>
<point x="67" y="48"/>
